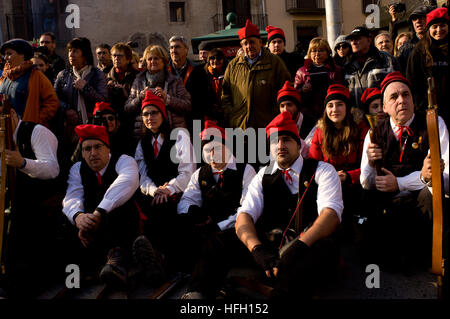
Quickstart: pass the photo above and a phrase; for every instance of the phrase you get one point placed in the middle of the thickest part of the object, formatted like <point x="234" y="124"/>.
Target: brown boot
<point x="114" y="272"/>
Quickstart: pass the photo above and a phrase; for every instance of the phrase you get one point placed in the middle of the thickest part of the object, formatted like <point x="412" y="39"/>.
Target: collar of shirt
<point x="296" y="167"/>
<point x="395" y="127"/>
<point x="253" y="61"/>
<point x="160" y="140"/>
<point x="230" y="165"/>
<point x="104" y="169"/>
<point x="179" y="71"/>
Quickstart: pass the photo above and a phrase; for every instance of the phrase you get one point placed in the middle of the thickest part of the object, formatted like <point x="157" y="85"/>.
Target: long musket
<point x="437" y="266"/>
<point x="8" y="176"/>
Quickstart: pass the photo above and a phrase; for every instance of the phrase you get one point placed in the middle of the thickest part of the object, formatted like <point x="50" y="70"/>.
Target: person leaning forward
<point x="207" y="213"/>
<point x="399" y="199"/>
<point x="270" y="203"/>
<point x="99" y="202"/>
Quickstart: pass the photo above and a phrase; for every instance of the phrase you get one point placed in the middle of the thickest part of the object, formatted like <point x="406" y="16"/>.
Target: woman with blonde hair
<point x="402" y="38"/>
<point x="317" y="74"/>
<point x="163" y="84"/>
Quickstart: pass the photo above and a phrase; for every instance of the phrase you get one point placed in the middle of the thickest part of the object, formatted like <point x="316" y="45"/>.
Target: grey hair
<point x="181" y="39"/>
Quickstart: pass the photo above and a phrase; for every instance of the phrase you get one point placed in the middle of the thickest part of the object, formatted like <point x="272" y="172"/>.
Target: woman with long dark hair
<point x="339" y="141"/>
<point x="165" y="166"/>
<point x="215" y="66"/>
<point x="430" y="59"/>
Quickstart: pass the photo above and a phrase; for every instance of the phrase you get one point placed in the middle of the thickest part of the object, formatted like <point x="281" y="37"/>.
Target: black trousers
<point x="398" y="231"/>
<point x="118" y="228"/>
<point x="213" y="254"/>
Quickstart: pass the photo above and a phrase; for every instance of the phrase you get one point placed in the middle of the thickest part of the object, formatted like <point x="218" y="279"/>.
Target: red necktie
<point x="399" y="133"/>
<point x="99" y="179"/>
<point x="155" y="148"/>
<point x="220" y="181"/>
<point x="287" y="175"/>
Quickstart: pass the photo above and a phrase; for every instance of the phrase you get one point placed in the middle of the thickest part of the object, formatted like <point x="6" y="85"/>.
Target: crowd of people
<point x="107" y="176"/>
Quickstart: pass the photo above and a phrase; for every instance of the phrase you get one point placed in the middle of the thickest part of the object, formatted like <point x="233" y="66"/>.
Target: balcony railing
<point x="305" y="6"/>
<point x="219" y="21"/>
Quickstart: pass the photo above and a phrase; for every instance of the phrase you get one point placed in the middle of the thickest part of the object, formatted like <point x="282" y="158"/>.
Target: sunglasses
<point x="109" y="118"/>
<point x="151" y="113"/>
<point x="341" y="46"/>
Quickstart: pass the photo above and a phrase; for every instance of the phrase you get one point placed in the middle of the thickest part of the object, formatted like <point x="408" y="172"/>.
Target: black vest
<point x="93" y="192"/>
<point x="160" y="169"/>
<point x="416" y="148"/>
<point x="280" y="203"/>
<point x="31" y="191"/>
<point x="221" y="202"/>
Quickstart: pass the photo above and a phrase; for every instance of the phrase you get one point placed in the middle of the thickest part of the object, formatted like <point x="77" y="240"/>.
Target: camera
<point x="99" y="120"/>
<point x="398" y="7"/>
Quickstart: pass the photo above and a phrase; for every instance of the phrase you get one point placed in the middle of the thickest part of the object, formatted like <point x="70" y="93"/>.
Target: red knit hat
<point x="250" y="30"/>
<point x="437" y="15"/>
<point x="337" y="92"/>
<point x="288" y="92"/>
<point x="152" y="99"/>
<point x="274" y="32"/>
<point x="212" y="129"/>
<point x="283" y="124"/>
<point x="369" y="95"/>
<point x="89" y="132"/>
<point x="393" y="77"/>
<point x="103" y="107"/>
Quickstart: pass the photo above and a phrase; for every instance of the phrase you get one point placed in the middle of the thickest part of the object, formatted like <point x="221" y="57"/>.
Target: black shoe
<point x="114" y="272"/>
<point x="148" y="261"/>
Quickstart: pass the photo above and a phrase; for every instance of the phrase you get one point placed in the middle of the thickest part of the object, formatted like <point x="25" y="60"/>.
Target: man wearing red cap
<point x="251" y="82"/>
<point x="32" y="239"/>
<point x="289" y="100"/>
<point x="397" y="200"/>
<point x="276" y="42"/>
<point x="99" y="203"/>
<point x="271" y="204"/>
<point x="120" y="139"/>
<point x="208" y="209"/>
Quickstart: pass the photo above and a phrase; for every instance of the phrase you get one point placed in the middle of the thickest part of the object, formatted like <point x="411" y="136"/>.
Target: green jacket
<point x="249" y="95"/>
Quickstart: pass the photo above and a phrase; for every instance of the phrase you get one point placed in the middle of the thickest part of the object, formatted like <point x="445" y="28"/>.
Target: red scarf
<point x="16" y="72"/>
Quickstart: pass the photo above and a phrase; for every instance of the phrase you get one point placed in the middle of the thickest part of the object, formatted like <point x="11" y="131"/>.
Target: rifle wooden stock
<point x="437" y="266"/>
<point x="8" y="176"/>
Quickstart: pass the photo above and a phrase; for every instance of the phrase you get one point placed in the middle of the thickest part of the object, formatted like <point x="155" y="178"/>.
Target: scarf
<point x="155" y="79"/>
<point x="16" y="72"/>
<point x="81" y="107"/>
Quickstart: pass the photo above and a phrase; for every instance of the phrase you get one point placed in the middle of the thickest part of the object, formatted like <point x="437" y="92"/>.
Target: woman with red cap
<point x="430" y="59"/>
<point x="164" y="176"/>
<point x="372" y="103"/>
<point x="313" y="79"/>
<point x="339" y="140"/>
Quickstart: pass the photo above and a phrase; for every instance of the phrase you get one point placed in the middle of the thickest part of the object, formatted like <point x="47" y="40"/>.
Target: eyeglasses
<point x="318" y="50"/>
<point x="341" y="46"/>
<point x="96" y="147"/>
<point x="151" y="113"/>
<point x="109" y="118"/>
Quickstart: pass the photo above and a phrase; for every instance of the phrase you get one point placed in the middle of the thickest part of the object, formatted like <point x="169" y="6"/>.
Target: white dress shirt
<point x="118" y="193"/>
<point x="185" y="157"/>
<point x="410" y="182"/>
<point x="44" y="144"/>
<point x="329" y="192"/>
<point x="193" y="194"/>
